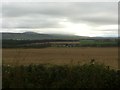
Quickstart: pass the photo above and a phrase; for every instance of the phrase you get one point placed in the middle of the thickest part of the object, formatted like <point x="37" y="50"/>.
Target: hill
<point x="37" y="36"/>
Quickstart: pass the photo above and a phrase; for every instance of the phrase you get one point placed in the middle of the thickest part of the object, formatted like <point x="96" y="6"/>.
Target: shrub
<point x="54" y="76"/>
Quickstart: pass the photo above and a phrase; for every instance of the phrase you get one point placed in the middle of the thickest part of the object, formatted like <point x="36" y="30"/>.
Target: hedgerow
<point x="64" y="76"/>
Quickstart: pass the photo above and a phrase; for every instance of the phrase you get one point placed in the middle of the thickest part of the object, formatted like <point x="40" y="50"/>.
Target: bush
<point x="54" y="76"/>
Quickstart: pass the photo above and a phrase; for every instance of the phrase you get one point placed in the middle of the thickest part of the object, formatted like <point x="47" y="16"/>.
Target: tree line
<point x="47" y="43"/>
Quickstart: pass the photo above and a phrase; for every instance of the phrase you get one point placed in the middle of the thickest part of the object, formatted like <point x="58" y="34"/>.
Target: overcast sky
<point x="84" y="19"/>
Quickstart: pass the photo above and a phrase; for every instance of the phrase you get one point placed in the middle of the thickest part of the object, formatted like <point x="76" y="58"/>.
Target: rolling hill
<point x="37" y="36"/>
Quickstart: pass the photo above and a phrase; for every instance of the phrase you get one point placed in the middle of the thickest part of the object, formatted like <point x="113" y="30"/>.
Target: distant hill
<point x="29" y="32"/>
<point x="37" y="36"/>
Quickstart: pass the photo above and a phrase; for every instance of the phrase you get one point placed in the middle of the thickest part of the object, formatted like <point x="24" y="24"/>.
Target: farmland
<point x="60" y="63"/>
<point x="61" y="56"/>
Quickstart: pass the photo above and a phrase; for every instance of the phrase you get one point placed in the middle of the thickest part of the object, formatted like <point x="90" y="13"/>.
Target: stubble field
<point x="61" y="56"/>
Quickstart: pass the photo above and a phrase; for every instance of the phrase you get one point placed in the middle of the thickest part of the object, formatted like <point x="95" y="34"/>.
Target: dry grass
<point x="108" y="56"/>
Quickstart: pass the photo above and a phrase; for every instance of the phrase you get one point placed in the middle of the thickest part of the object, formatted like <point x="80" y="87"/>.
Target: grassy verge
<point x="54" y="76"/>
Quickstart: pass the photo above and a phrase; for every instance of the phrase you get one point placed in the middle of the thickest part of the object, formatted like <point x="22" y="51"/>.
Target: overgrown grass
<point x="54" y="76"/>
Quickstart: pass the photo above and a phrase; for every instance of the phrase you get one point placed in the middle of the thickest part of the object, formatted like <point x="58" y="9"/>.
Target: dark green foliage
<point x="9" y="43"/>
<point x="99" y="43"/>
<point x="54" y="76"/>
<point x="25" y="44"/>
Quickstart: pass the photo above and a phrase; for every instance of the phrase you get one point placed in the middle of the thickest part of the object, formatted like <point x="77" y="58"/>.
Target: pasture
<point x="61" y="56"/>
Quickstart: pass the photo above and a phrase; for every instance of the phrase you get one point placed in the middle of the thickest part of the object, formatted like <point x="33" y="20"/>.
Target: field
<point x="61" y="56"/>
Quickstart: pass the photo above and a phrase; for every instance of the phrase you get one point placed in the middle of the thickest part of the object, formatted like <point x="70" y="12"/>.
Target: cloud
<point x="42" y="15"/>
<point x="30" y="22"/>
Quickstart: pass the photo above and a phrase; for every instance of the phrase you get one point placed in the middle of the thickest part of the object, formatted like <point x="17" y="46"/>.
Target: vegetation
<point x="98" y="43"/>
<point x="62" y="74"/>
<point x="54" y="76"/>
<point x="37" y="36"/>
<point x="10" y="43"/>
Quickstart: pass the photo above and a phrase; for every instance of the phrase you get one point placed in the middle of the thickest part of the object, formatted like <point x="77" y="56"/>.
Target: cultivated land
<point x="61" y="56"/>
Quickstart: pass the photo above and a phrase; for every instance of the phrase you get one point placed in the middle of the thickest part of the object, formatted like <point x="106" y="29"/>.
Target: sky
<point x="74" y="18"/>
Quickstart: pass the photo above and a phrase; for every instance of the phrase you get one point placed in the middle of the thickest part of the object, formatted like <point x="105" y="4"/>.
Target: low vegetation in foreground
<point x="64" y="76"/>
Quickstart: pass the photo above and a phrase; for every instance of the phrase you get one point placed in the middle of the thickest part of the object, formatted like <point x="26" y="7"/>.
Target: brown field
<point x="108" y="56"/>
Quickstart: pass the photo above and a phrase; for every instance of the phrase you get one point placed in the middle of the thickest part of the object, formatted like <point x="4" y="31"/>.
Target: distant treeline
<point x="62" y="43"/>
<point x="31" y="43"/>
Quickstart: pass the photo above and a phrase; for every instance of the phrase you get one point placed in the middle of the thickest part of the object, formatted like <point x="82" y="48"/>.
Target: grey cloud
<point x="109" y="30"/>
<point x="23" y="9"/>
<point x="97" y="13"/>
<point x="43" y="15"/>
<point x="30" y="22"/>
<point x="98" y="20"/>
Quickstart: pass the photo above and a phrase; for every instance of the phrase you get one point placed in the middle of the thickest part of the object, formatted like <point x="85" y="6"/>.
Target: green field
<point x="98" y="43"/>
